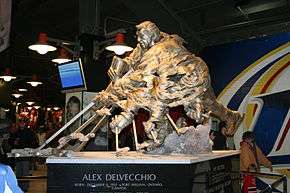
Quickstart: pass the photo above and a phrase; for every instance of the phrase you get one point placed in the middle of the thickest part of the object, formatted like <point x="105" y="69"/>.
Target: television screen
<point x="72" y="76"/>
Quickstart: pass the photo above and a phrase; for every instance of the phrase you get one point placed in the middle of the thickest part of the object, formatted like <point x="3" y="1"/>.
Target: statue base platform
<point x="133" y="172"/>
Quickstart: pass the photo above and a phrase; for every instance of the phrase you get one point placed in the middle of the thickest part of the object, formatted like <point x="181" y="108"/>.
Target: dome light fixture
<point x="62" y="57"/>
<point x="119" y="47"/>
<point x="42" y="47"/>
<point x="34" y="81"/>
<point x="7" y="75"/>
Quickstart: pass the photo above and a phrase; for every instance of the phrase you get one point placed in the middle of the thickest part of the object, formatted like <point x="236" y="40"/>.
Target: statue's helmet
<point x="148" y="33"/>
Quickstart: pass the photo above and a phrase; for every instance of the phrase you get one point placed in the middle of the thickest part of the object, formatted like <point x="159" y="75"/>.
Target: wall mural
<point x="253" y="77"/>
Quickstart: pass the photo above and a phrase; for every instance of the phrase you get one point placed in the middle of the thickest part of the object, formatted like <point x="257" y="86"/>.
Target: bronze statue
<point x="159" y="74"/>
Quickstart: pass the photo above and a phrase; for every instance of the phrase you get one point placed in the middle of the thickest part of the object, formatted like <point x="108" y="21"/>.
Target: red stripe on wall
<point x="268" y="83"/>
<point x="283" y="135"/>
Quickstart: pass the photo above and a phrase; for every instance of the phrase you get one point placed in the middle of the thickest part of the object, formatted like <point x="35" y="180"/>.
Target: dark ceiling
<point x="200" y="22"/>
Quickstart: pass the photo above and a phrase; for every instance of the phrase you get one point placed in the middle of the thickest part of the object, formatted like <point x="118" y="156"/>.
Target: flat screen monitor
<point x="72" y="76"/>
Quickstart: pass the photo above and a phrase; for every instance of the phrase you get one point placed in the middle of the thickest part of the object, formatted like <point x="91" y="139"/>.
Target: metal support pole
<point x="85" y="124"/>
<point x="172" y="123"/>
<point x="117" y="139"/>
<point x="82" y="145"/>
<point x="284" y="184"/>
<point x="89" y="16"/>
<point x="135" y="135"/>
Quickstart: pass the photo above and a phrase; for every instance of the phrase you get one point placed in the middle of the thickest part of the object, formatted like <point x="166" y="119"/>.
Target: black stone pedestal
<point x="103" y="172"/>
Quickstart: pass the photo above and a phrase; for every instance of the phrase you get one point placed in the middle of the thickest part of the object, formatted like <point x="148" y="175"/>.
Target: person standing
<point x="251" y="158"/>
<point x="25" y="138"/>
<point x="219" y="138"/>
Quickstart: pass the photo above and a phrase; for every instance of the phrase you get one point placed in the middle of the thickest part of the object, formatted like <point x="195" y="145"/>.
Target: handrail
<point x="260" y="174"/>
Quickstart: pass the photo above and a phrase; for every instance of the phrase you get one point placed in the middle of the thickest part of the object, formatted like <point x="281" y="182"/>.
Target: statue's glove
<point x="118" y="68"/>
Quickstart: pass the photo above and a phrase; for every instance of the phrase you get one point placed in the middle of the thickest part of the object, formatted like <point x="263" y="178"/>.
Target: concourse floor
<point x="38" y="186"/>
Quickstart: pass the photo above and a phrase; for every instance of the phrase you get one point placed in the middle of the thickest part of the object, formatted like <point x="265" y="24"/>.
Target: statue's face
<point x="144" y="38"/>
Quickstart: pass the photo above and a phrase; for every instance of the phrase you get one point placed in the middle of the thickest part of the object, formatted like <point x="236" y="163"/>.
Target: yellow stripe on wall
<point x="249" y="68"/>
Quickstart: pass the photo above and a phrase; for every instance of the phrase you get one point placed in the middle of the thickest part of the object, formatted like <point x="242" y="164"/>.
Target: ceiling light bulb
<point x="17" y="95"/>
<point x="119" y="52"/>
<point x="7" y="78"/>
<point x="22" y="90"/>
<point x="30" y="103"/>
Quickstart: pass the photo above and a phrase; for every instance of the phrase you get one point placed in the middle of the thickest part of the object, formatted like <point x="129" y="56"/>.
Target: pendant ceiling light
<point x="119" y="47"/>
<point x="34" y="81"/>
<point x="36" y="107"/>
<point x="42" y="47"/>
<point x="22" y="90"/>
<point x="7" y="75"/>
<point x="17" y="95"/>
<point x="30" y="103"/>
<point x="62" y="57"/>
<point x="56" y="108"/>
